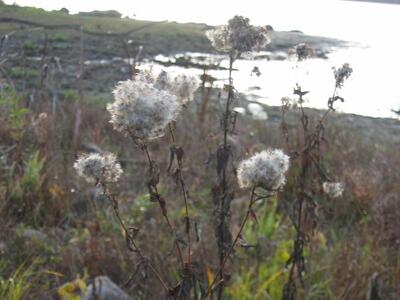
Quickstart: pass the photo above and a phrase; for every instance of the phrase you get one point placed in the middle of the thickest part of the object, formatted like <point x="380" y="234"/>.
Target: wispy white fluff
<point x="265" y="169"/>
<point x="333" y="189"/>
<point x="142" y="110"/>
<point x="182" y="86"/>
<point x="97" y="167"/>
<point x="238" y="35"/>
<point x="341" y="74"/>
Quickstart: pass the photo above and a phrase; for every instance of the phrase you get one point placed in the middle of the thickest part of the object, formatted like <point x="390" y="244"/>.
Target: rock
<point x="105" y="290"/>
<point x="34" y="235"/>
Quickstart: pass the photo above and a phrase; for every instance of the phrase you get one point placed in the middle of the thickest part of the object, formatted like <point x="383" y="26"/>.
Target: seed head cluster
<point x="142" y="110"/>
<point x="333" y="189"/>
<point x="182" y="86"/>
<point x="341" y="74"/>
<point x="239" y="36"/>
<point x="265" y="169"/>
<point x="97" y="167"/>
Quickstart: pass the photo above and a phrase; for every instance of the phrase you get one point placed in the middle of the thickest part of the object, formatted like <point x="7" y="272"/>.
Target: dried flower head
<point x="97" y="167"/>
<point x="182" y="86"/>
<point x="265" y="169"/>
<point x="341" y="74"/>
<point x="239" y="36"/>
<point x="302" y="51"/>
<point x="333" y="189"/>
<point x="146" y="75"/>
<point x="142" y="110"/>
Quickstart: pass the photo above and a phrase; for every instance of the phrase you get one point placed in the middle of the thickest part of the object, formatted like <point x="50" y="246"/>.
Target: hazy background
<point x="372" y="29"/>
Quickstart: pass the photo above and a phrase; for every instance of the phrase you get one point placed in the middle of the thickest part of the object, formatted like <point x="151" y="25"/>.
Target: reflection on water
<point x="369" y="91"/>
<point x="372" y="89"/>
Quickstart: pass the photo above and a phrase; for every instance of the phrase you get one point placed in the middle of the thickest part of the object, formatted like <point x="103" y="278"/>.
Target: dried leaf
<point x="171" y="158"/>
<point x="179" y="153"/>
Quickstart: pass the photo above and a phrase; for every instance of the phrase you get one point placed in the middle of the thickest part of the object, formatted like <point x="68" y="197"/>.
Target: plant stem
<point x="223" y="182"/>
<point x="162" y="207"/>
<point x="184" y="193"/>
<point x="131" y="240"/>
<point x="225" y="258"/>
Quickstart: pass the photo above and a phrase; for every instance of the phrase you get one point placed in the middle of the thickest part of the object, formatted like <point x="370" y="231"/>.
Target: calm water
<point x="372" y="90"/>
<point x="373" y="28"/>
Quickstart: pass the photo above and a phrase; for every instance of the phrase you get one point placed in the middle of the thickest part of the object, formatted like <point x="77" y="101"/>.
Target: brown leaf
<point x="179" y="153"/>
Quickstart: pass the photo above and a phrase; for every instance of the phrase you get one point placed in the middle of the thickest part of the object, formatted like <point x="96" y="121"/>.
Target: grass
<point x="101" y="24"/>
<point x="357" y="234"/>
<point x="84" y="239"/>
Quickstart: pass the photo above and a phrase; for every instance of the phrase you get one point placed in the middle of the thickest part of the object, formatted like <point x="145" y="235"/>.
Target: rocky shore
<point x="104" y="50"/>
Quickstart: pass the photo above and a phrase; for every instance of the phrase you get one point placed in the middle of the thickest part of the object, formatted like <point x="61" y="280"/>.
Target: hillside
<point x="167" y="187"/>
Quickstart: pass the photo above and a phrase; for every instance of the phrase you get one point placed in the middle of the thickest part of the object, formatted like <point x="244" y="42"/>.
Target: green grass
<point x="98" y="24"/>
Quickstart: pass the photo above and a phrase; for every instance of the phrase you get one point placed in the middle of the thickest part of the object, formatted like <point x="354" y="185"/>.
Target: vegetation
<point x="60" y="233"/>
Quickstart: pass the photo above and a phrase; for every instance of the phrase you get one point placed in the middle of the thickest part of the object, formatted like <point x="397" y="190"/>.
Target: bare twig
<point x="219" y="274"/>
<point x="184" y="192"/>
<point x="155" y="196"/>
<point x="130" y="239"/>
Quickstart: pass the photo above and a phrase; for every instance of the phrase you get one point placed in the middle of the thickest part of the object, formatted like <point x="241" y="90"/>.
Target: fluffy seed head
<point x="341" y="74"/>
<point x="265" y="169"/>
<point x="97" y="167"/>
<point x="333" y="189"/>
<point x="142" y="110"/>
<point x="182" y="86"/>
<point x="238" y="35"/>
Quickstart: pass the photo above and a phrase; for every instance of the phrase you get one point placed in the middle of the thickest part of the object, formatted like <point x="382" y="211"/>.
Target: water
<point x="369" y="91"/>
<point x="372" y="27"/>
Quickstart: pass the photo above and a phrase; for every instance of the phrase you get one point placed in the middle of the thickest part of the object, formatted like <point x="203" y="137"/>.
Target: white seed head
<point x="265" y="169"/>
<point x="341" y="74"/>
<point x="182" y="86"/>
<point x="98" y="167"/>
<point x="142" y="110"/>
<point x="333" y="189"/>
<point x="238" y="35"/>
<point x="146" y="75"/>
<point x="220" y="38"/>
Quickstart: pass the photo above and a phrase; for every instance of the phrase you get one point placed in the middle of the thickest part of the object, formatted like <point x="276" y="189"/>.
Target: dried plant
<point x="311" y="172"/>
<point x="146" y="107"/>
<point x="235" y="38"/>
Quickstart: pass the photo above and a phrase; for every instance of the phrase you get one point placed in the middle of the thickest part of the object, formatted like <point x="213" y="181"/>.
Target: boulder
<point x="34" y="235"/>
<point x="105" y="290"/>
